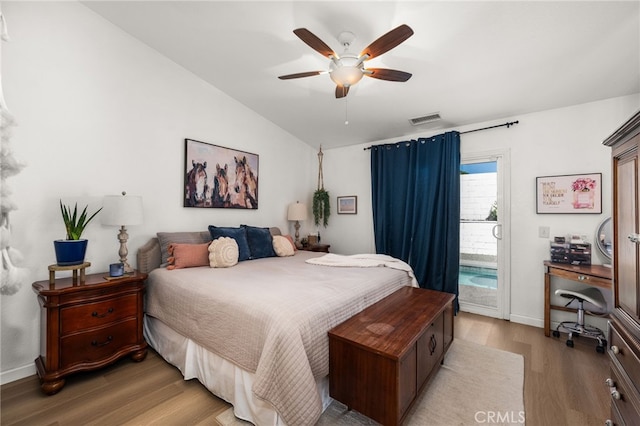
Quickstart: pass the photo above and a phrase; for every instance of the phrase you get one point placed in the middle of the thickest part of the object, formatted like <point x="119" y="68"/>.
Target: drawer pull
<point x="612" y="389"/>
<point x="634" y="238"/>
<point x="97" y="315"/>
<point x="615" y="349"/>
<point x="608" y="422"/>
<point x="106" y="342"/>
<point x="433" y="343"/>
<point x="582" y="278"/>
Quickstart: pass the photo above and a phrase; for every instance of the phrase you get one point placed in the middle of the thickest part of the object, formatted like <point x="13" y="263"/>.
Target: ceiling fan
<point x="347" y="69"/>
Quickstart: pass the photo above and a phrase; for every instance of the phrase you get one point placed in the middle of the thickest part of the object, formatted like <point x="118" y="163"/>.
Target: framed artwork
<point x="569" y="193"/>
<point x="348" y="205"/>
<point x="219" y="177"/>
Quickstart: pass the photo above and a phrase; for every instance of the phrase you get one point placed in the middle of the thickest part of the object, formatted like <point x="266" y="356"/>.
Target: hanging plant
<point x="321" y="207"/>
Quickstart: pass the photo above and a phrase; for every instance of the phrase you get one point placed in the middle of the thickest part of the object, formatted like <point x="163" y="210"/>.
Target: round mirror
<point x="604" y="238"/>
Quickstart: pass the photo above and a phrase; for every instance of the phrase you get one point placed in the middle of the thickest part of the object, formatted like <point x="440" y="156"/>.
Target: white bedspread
<point x="366" y="260"/>
<point x="271" y="317"/>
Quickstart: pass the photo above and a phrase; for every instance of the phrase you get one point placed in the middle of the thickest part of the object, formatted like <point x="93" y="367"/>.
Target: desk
<point x="590" y="275"/>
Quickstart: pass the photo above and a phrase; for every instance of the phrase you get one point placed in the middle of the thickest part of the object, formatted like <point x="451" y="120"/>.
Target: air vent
<point x="430" y="118"/>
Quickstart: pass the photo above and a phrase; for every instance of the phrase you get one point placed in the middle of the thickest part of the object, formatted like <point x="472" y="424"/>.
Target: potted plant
<point x="321" y="207"/>
<point x="71" y="251"/>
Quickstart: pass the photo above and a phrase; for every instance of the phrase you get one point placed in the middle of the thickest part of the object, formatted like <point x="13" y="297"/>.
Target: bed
<point x="255" y="334"/>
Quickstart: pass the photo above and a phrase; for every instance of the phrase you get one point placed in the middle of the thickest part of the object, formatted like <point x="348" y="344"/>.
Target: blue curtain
<point x="416" y="207"/>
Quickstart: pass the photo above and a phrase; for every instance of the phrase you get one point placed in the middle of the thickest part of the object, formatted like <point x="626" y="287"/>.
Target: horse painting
<point x="246" y="184"/>
<point x="221" y="196"/>
<point x="196" y="187"/>
<point x="219" y="186"/>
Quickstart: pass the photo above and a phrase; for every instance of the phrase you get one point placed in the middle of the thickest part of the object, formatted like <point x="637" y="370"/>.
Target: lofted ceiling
<point x="471" y="62"/>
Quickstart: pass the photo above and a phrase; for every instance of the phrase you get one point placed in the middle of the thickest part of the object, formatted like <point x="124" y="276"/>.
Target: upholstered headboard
<point x="149" y="256"/>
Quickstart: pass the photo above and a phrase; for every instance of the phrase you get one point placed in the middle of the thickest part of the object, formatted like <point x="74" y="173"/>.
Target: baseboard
<point x="534" y="322"/>
<point x="17" y="374"/>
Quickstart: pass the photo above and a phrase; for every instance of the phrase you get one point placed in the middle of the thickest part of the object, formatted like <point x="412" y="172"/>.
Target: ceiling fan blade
<point x="314" y="42"/>
<point x="341" y="91"/>
<point x="387" y="42"/>
<point x="300" y="75"/>
<point x="387" y="74"/>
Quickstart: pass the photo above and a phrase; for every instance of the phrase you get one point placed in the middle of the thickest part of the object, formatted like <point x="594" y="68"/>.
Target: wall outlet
<point x="543" y="231"/>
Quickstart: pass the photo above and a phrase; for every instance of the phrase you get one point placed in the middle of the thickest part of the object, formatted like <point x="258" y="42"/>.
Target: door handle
<point x="496" y="231"/>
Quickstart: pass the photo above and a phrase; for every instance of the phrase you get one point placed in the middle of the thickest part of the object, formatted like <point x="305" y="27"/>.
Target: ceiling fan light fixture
<point x="346" y="76"/>
<point x="347" y="69"/>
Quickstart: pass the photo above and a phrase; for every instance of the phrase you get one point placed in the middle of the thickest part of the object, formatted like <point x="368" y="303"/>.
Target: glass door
<point x="483" y="210"/>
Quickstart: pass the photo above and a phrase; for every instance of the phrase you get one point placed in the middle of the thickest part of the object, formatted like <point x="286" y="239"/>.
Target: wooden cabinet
<point x="624" y="327"/>
<point x="85" y="326"/>
<point x="322" y="248"/>
<point x="381" y="358"/>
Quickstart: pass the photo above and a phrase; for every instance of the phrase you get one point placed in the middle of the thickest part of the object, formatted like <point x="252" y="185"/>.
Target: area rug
<point x="475" y="385"/>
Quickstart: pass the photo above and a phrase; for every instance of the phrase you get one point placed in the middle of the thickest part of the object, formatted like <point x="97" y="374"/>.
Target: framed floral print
<point x="569" y="194"/>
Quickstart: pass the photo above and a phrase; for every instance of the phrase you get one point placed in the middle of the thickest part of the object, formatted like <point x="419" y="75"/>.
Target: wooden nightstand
<point x="324" y="248"/>
<point x="86" y="326"/>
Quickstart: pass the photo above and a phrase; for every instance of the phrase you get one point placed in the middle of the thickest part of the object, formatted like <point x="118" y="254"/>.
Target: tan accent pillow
<point x="290" y="238"/>
<point x="282" y="246"/>
<point x="223" y="252"/>
<point x="166" y="238"/>
<point x="187" y="255"/>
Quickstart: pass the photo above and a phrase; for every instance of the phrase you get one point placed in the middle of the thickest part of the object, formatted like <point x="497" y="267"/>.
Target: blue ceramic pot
<point x="70" y="252"/>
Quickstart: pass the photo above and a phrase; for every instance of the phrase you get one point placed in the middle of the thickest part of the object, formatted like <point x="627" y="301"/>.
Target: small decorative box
<point x="116" y="270"/>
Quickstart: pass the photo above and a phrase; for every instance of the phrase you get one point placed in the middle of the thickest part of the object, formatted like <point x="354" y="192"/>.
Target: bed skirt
<point x="221" y="377"/>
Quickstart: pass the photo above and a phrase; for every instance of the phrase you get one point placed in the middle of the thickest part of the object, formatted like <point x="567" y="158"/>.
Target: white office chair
<point x="593" y="296"/>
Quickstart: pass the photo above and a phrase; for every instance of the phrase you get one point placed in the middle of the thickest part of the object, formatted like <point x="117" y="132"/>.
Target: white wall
<point x="98" y="113"/>
<point x="553" y="142"/>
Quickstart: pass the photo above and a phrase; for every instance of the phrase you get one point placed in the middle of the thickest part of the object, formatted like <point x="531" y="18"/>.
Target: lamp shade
<point x="297" y="211"/>
<point x="120" y="210"/>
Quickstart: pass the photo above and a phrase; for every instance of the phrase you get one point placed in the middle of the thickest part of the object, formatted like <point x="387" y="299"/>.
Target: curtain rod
<point x="507" y="124"/>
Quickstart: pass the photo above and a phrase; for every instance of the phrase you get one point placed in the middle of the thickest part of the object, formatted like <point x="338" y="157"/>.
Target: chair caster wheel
<point x="556" y="333"/>
<point x="570" y="343"/>
<point x="600" y="349"/>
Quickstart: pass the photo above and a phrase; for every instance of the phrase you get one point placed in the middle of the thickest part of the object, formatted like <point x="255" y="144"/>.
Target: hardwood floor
<point x="563" y="386"/>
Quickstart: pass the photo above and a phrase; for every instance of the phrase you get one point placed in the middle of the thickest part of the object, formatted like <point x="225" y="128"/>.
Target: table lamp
<point x="122" y="210"/>
<point x="297" y="212"/>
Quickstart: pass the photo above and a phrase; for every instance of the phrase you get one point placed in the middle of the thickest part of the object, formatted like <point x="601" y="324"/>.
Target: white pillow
<point x="223" y="252"/>
<point x="282" y="246"/>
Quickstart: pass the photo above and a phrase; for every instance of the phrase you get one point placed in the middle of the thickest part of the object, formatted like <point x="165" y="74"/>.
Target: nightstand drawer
<point x="98" y="344"/>
<point x="85" y="316"/>
<point x="88" y="326"/>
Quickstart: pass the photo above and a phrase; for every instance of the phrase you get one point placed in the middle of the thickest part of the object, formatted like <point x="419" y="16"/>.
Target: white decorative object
<point x="223" y="252"/>
<point x="282" y="246"/>
<point x="12" y="276"/>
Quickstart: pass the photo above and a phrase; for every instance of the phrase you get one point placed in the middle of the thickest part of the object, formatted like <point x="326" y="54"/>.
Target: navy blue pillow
<point x="260" y="242"/>
<point x="238" y="234"/>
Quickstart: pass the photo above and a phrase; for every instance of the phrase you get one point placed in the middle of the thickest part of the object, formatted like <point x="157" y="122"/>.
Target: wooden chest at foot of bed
<point x="381" y="358"/>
